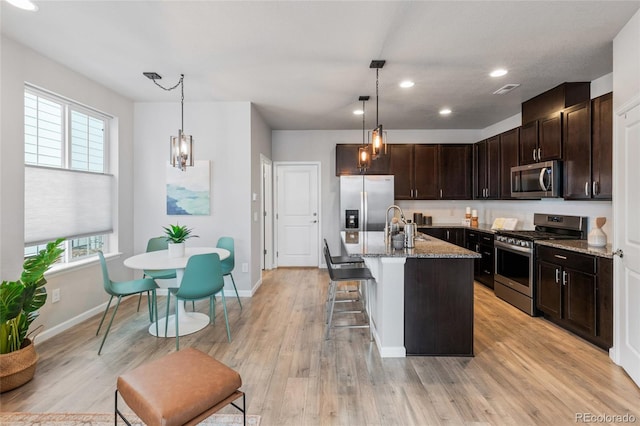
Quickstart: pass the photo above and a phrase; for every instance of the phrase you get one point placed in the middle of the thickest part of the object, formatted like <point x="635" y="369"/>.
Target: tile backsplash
<point x="452" y="212"/>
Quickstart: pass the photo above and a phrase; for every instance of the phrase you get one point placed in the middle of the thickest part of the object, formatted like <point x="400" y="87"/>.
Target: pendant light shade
<point x="181" y="154"/>
<point x="378" y="137"/>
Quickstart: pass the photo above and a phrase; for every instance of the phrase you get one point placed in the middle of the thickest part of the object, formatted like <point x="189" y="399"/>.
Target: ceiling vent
<point x="506" y="89"/>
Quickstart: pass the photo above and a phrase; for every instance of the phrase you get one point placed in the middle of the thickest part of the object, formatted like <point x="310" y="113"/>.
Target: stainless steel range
<point x="515" y="273"/>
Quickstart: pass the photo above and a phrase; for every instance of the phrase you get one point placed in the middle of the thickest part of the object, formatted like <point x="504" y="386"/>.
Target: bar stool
<point x="338" y="275"/>
<point x="345" y="262"/>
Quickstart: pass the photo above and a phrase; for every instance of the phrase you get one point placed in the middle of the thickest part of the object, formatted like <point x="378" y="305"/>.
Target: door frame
<point x="618" y="207"/>
<point x="266" y="221"/>
<point x="276" y="167"/>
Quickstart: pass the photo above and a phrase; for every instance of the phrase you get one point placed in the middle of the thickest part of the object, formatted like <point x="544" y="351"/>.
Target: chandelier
<point x="181" y="146"/>
<point x="364" y="157"/>
<point x="378" y="136"/>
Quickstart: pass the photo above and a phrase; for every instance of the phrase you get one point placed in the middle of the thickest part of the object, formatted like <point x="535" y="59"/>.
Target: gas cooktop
<point x="547" y="227"/>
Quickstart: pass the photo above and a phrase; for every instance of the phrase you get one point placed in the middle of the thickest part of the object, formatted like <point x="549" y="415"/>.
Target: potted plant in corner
<point x="176" y="236"/>
<point x="19" y="304"/>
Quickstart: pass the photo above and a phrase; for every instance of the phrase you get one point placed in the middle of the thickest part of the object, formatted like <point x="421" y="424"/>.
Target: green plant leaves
<point x="178" y="234"/>
<point x="20" y="300"/>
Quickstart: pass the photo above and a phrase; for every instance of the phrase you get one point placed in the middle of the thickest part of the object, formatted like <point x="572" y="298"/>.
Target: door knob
<point x="619" y="253"/>
<point x="314" y="221"/>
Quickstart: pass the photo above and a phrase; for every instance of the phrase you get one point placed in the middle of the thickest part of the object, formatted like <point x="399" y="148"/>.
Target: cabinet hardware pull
<point x="539" y="154"/>
<point x="557" y="276"/>
<point x="595" y="190"/>
<point x="586" y="188"/>
<point x="534" y="154"/>
<point x="416" y="195"/>
<point x="565" y="277"/>
<point x="477" y="248"/>
<point x="441" y="193"/>
<point x="560" y="257"/>
<point x="487" y="272"/>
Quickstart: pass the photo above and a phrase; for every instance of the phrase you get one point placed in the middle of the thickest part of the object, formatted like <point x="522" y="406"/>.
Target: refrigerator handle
<point x="365" y="207"/>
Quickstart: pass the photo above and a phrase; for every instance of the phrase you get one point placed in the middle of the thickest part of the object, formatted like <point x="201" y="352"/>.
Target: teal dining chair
<point x="121" y="289"/>
<point x="229" y="263"/>
<point x="155" y="244"/>
<point x="202" y="279"/>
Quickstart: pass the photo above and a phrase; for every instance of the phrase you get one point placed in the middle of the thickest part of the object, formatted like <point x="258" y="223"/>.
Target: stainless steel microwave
<point x="538" y="180"/>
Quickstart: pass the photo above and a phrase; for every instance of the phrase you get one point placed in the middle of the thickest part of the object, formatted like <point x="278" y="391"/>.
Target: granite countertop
<point x="579" y="246"/>
<point x="371" y="244"/>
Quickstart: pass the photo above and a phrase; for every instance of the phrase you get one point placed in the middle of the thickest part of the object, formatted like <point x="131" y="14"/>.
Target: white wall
<point x="260" y="145"/>
<point x="222" y="135"/>
<point x="626" y="63"/>
<point x="81" y="288"/>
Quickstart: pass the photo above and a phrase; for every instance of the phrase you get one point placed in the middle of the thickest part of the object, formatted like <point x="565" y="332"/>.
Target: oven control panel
<point x="514" y="241"/>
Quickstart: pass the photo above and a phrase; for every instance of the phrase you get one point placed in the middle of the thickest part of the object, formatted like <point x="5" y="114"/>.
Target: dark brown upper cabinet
<point x="602" y="146"/>
<point x="509" y="152"/>
<point x="431" y="171"/>
<point x="576" y="133"/>
<point x="486" y="161"/>
<point x="588" y="135"/>
<point x="541" y="139"/>
<point x="415" y="171"/>
<point x="542" y="121"/>
<point x="347" y="162"/>
<point x="455" y="168"/>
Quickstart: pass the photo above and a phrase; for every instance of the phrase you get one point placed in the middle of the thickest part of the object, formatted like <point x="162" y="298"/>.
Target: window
<point x="65" y="158"/>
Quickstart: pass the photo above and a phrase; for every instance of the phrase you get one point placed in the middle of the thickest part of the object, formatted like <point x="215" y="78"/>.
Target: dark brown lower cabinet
<point x="438" y="307"/>
<point x="574" y="290"/>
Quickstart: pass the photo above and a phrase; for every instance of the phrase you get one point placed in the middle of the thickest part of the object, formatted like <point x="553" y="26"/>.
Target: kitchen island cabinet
<point x="422" y="298"/>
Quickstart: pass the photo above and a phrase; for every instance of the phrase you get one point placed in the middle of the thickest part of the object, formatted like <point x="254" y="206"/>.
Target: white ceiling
<point x="304" y="63"/>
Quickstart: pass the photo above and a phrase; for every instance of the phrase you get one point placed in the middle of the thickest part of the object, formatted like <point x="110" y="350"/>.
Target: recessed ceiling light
<point x="406" y="84"/>
<point x="24" y="4"/>
<point x="499" y="72"/>
<point x="445" y="111"/>
<point x="358" y="112"/>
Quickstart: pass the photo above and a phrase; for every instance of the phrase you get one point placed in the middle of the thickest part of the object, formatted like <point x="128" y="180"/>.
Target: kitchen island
<point x="422" y="299"/>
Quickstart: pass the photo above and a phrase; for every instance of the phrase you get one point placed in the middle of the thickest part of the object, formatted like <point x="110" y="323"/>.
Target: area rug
<point x="87" y="419"/>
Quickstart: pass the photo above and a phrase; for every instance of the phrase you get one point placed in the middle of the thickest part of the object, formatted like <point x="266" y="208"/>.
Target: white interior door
<point x="626" y="205"/>
<point x="297" y="215"/>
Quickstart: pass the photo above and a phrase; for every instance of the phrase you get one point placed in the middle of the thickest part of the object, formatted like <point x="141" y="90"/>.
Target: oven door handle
<point x="509" y="247"/>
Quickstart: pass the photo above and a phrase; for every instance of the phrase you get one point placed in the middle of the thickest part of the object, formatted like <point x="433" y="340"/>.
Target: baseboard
<point x="55" y="330"/>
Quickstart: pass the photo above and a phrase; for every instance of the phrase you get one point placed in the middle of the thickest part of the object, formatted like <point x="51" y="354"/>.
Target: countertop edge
<point x="578" y="246"/>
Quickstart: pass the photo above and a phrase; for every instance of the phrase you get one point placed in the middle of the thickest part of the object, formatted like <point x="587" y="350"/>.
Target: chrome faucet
<point x="387" y="223"/>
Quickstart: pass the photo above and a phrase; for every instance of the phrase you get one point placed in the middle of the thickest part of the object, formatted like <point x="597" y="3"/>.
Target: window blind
<point x="66" y="203"/>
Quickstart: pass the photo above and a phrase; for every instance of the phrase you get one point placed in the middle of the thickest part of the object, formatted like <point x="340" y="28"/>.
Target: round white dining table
<point x="190" y="322"/>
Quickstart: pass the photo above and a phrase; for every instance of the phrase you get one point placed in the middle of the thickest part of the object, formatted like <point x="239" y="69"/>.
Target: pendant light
<point x="364" y="156"/>
<point x="378" y="139"/>
<point x="181" y="146"/>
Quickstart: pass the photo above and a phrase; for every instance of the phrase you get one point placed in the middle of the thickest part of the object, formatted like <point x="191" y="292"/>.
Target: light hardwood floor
<point x="525" y="371"/>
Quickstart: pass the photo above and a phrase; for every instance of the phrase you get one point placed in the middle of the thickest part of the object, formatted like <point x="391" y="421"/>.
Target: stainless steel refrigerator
<point x="364" y="201"/>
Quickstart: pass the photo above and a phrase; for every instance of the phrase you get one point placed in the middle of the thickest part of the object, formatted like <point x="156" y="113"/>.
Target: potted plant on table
<point x="176" y="236"/>
<point x="19" y="304"/>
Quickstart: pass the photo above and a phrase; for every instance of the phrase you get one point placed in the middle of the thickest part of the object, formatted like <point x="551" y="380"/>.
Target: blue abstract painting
<point x="188" y="191"/>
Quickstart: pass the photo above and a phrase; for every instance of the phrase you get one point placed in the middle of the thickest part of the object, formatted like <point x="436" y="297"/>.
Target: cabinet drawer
<point x="566" y="258"/>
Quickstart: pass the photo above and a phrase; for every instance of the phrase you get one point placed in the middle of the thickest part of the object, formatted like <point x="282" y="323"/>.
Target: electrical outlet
<point x="245" y="267"/>
<point x="55" y="295"/>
